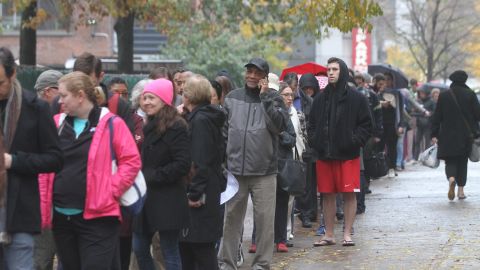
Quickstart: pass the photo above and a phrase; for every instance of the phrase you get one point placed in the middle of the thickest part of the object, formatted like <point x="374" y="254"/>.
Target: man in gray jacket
<point x="256" y="116"/>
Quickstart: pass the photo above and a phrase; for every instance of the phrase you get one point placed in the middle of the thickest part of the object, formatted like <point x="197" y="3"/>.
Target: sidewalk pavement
<point x="409" y="224"/>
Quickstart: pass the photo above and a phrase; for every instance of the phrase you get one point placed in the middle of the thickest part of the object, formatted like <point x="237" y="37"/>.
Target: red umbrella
<point x="310" y="67"/>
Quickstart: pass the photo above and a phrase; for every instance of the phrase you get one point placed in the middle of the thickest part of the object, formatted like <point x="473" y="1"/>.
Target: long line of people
<point x="184" y="133"/>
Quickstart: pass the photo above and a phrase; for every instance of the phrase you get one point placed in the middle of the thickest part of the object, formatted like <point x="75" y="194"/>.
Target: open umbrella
<point x="430" y="85"/>
<point x="310" y="67"/>
<point x="399" y="78"/>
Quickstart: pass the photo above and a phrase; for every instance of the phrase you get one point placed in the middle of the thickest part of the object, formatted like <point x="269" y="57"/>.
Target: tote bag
<point x="134" y="198"/>
<point x="375" y="165"/>
<point x="429" y="157"/>
<point x="292" y="175"/>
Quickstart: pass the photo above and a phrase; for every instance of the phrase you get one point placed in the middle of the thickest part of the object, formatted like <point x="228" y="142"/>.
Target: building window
<point x="11" y="18"/>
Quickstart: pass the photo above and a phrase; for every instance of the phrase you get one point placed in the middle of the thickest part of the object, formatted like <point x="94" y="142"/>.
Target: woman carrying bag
<point x="85" y="194"/>
<point x="454" y="126"/>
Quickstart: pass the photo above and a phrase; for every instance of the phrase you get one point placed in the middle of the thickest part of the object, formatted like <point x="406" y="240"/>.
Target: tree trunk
<point x="28" y="37"/>
<point x="124" y="29"/>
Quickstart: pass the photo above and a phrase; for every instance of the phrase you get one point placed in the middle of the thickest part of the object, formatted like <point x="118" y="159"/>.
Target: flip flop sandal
<point x="324" y="242"/>
<point x="348" y="243"/>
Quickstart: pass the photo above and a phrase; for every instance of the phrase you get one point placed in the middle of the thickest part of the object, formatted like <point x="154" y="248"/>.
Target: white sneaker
<point x="290" y="236"/>
<point x="391" y="173"/>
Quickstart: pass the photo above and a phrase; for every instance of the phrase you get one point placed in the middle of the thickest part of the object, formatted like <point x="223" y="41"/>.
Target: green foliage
<point x="208" y="55"/>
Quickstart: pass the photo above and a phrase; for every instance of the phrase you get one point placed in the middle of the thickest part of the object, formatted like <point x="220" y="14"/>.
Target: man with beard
<point x="339" y="125"/>
<point x="31" y="147"/>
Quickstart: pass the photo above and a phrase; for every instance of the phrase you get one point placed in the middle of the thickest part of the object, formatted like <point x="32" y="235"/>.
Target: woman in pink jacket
<point x="86" y="211"/>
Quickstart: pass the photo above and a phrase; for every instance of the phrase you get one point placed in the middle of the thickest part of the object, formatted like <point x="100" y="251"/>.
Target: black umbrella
<point x="399" y="78"/>
<point x="427" y="87"/>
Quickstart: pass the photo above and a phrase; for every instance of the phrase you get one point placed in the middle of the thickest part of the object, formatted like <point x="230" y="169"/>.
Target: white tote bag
<point x="134" y="198"/>
<point x="429" y="157"/>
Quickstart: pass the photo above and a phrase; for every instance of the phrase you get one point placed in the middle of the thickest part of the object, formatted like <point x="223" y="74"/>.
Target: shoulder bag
<point x="374" y="161"/>
<point x="292" y="175"/>
<point x="475" y="152"/>
<point x="134" y="198"/>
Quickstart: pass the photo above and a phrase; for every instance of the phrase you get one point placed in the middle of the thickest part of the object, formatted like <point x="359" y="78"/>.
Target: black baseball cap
<point x="260" y="63"/>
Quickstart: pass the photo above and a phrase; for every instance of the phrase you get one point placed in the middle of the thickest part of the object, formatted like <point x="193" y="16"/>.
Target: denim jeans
<point x="400" y="143"/>
<point x="19" y="253"/>
<point x="168" y="244"/>
<point x="44" y="251"/>
<point x="141" y="247"/>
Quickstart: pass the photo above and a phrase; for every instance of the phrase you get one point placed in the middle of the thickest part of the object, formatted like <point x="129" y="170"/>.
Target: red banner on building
<point x="361" y="50"/>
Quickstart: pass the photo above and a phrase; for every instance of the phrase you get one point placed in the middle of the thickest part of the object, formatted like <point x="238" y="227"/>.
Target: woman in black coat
<point x="454" y="126"/>
<point x="166" y="161"/>
<point x="197" y="245"/>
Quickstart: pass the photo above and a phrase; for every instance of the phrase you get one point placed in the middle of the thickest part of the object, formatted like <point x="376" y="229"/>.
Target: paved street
<point x="409" y="224"/>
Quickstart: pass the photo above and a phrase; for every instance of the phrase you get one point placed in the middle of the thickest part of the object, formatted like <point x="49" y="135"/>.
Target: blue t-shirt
<point x="79" y="125"/>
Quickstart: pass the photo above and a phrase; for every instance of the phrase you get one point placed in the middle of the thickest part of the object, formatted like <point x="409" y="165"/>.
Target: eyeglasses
<point x="288" y="95"/>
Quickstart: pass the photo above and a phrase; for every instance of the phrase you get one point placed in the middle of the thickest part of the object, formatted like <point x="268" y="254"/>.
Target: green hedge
<point x="28" y="75"/>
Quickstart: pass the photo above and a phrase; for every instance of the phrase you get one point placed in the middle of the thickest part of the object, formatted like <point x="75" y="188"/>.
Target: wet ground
<point x="409" y="224"/>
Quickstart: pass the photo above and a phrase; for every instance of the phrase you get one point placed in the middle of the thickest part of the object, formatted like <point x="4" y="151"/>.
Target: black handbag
<point x="375" y="164"/>
<point x="292" y="175"/>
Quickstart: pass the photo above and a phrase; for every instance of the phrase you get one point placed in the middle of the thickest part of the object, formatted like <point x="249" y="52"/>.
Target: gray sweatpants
<point x="263" y="190"/>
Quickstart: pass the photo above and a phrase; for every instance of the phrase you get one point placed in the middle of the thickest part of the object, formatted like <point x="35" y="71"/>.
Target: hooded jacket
<point x="307" y="80"/>
<point x="340" y="122"/>
<point x="253" y="124"/>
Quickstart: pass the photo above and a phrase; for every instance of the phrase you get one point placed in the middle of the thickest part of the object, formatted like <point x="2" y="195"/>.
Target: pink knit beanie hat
<point x="161" y="88"/>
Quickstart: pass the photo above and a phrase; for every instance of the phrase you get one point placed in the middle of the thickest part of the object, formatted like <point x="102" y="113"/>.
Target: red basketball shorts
<point x="336" y="176"/>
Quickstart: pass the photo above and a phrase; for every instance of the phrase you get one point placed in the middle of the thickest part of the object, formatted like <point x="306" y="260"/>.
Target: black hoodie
<point x="340" y="122"/>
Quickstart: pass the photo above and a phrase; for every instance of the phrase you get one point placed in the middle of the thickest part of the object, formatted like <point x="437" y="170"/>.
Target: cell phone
<point x="260" y="82"/>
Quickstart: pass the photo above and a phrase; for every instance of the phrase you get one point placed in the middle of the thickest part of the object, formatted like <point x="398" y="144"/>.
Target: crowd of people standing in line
<point x="82" y="143"/>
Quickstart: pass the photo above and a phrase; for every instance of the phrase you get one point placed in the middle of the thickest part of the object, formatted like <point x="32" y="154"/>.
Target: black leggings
<point x="389" y="142"/>
<point x="457" y="167"/>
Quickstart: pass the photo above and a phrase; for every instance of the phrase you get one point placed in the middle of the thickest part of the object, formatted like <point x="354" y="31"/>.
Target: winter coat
<point x="375" y="110"/>
<point x="36" y="150"/>
<point x="448" y="126"/>
<point x="103" y="189"/>
<point x="299" y="133"/>
<point x="206" y="123"/>
<point x="340" y="122"/>
<point x="253" y="124"/>
<point x="166" y="161"/>
<point x="287" y="141"/>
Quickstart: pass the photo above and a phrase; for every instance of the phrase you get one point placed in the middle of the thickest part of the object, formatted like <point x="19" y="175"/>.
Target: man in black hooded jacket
<point x="339" y="125"/>
<point x="307" y="203"/>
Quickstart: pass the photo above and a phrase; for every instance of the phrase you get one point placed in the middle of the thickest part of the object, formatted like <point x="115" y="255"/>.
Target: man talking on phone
<point x="256" y="115"/>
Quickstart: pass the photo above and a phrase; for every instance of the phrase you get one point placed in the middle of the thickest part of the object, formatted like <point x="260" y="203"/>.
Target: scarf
<point x="12" y="114"/>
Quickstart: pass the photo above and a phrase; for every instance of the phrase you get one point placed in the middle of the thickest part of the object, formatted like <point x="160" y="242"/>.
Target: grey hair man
<point x="47" y="85"/>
